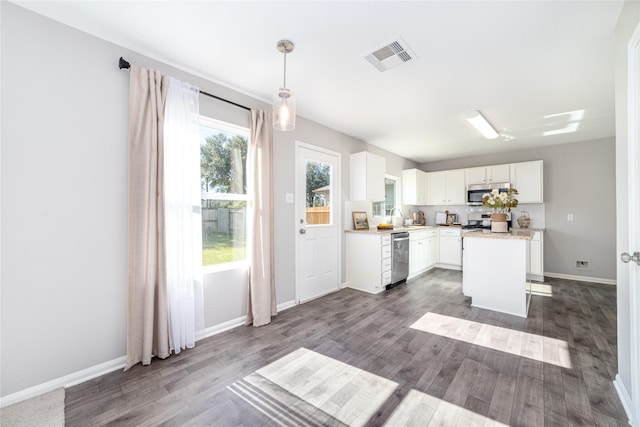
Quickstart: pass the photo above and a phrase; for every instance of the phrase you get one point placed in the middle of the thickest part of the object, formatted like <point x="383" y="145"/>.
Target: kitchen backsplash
<point x="536" y="212"/>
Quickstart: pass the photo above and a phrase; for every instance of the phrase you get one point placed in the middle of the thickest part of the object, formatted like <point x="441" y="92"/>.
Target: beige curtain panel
<point x="262" y="292"/>
<point x="147" y="320"/>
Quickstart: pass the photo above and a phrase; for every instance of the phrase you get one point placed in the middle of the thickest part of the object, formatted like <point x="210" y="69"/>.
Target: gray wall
<point x="627" y="22"/>
<point x="64" y="199"/>
<point x="579" y="178"/>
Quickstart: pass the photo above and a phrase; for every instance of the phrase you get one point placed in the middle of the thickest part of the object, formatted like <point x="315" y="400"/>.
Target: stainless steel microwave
<point x="476" y="191"/>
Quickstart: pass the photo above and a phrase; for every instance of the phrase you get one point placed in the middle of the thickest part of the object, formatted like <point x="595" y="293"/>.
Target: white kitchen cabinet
<point x="487" y="174"/>
<point x="433" y="255"/>
<point x="450" y="249"/>
<point x="414" y="187"/>
<point x="368" y="261"/>
<point x="417" y="252"/>
<point x="527" y="178"/>
<point x="446" y="187"/>
<point x="535" y="257"/>
<point x="366" y="174"/>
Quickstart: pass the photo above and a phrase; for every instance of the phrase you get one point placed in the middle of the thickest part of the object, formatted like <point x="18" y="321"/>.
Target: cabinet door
<point x="414" y="258"/>
<point x="527" y="178"/>
<point x="409" y="186"/>
<point x="536" y="255"/>
<point x="367" y="176"/>
<point x="455" y="187"/>
<point x="422" y="188"/>
<point x="450" y="251"/>
<point x="432" y="251"/>
<point x="437" y="188"/>
<point x="498" y="173"/>
<point x="476" y="175"/>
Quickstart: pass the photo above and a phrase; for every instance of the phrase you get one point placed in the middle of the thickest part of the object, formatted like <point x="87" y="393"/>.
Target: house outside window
<point x="223" y="185"/>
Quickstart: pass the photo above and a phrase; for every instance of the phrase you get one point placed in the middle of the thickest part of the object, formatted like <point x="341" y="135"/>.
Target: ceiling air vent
<point x="395" y="53"/>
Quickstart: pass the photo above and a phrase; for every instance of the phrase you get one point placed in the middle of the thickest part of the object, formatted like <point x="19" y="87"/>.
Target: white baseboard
<point x="112" y="365"/>
<point x="582" y="278"/>
<point x="66" y="381"/>
<point x="449" y="266"/>
<point x="625" y="399"/>
<point x="285" y="305"/>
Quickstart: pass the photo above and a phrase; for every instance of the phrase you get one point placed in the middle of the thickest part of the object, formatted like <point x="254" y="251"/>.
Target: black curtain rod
<point x="122" y="63"/>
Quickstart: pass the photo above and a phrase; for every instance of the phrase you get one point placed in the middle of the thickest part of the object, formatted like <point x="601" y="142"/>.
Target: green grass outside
<point x="219" y="248"/>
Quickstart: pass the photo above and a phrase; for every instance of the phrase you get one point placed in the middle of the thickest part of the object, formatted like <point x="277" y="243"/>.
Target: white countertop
<point x="514" y="233"/>
<point x="375" y="230"/>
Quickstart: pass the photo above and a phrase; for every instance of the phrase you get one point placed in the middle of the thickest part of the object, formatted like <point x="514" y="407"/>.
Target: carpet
<point x="46" y="410"/>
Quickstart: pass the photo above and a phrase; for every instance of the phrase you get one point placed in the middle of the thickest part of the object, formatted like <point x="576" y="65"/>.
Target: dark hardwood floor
<point x="372" y="333"/>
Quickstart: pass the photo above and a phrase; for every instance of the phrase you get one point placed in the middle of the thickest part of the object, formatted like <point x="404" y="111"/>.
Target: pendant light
<point x="284" y="102"/>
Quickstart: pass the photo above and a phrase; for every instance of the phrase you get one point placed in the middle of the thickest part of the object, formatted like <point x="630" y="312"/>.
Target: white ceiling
<point x="531" y="67"/>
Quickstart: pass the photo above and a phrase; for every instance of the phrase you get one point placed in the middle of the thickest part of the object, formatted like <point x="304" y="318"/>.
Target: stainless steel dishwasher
<point x="399" y="258"/>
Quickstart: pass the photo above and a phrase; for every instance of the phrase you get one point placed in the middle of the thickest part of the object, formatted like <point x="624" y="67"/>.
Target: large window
<point x="223" y="183"/>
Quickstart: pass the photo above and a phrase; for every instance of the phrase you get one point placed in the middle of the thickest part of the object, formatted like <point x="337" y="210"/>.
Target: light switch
<point x="569" y="217"/>
<point x="288" y="197"/>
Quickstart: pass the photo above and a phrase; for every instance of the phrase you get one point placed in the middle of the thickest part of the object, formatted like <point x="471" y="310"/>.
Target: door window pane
<point x="318" y="193"/>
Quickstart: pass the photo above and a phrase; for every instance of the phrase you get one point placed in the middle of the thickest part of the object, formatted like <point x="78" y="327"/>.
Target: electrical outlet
<point x="569" y="217"/>
<point x="583" y="265"/>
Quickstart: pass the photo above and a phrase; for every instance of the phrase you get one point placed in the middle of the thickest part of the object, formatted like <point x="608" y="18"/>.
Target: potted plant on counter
<point x="501" y="203"/>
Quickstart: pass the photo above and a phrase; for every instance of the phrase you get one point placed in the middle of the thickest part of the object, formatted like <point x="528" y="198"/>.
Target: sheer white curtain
<point x="183" y="225"/>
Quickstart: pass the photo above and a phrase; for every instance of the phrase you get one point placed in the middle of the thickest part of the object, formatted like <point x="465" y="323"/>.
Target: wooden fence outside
<point x="224" y="220"/>
<point x="319" y="215"/>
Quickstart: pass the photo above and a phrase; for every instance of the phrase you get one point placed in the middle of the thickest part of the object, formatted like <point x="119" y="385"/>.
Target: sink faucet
<point x="395" y="209"/>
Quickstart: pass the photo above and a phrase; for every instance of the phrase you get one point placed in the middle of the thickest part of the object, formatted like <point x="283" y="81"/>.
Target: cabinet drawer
<point x="455" y="232"/>
<point x="432" y="233"/>
<point x="386" y="278"/>
<point x="418" y="235"/>
<point x="386" y="239"/>
<point x="386" y="264"/>
<point x="386" y="251"/>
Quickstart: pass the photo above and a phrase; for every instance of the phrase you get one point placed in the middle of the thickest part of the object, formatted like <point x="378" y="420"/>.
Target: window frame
<point x="397" y="198"/>
<point x="220" y="125"/>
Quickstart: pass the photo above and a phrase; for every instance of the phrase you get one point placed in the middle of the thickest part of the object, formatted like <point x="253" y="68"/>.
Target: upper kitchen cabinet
<point x="487" y="174"/>
<point x="446" y="187"/>
<point x="366" y="172"/>
<point x="414" y="187"/>
<point x="527" y="178"/>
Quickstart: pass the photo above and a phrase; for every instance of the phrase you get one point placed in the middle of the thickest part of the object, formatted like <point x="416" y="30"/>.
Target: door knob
<point x="303" y="231"/>
<point x="626" y="258"/>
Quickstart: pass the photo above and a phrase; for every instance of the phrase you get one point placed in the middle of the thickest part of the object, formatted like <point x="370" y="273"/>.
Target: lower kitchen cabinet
<point x="368" y="261"/>
<point x="417" y="252"/>
<point x="433" y="248"/>
<point x="535" y="257"/>
<point x="450" y="248"/>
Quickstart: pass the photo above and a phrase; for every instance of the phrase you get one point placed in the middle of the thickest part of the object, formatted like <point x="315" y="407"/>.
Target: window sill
<point x="237" y="265"/>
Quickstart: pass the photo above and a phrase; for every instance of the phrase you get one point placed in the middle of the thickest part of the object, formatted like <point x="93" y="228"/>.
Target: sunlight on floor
<point x="532" y="346"/>
<point x="305" y="385"/>
<point x="541" y="289"/>
<point x="307" y="388"/>
<point x="420" y="409"/>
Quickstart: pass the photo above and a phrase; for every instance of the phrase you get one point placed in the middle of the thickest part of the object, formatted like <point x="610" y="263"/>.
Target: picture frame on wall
<point x="360" y="221"/>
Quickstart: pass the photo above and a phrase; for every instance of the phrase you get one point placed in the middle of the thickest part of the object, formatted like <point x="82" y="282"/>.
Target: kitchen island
<point x="495" y="270"/>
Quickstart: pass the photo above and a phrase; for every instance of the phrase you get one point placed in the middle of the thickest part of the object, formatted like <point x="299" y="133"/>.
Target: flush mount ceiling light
<point x="481" y="124"/>
<point x="284" y="102"/>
